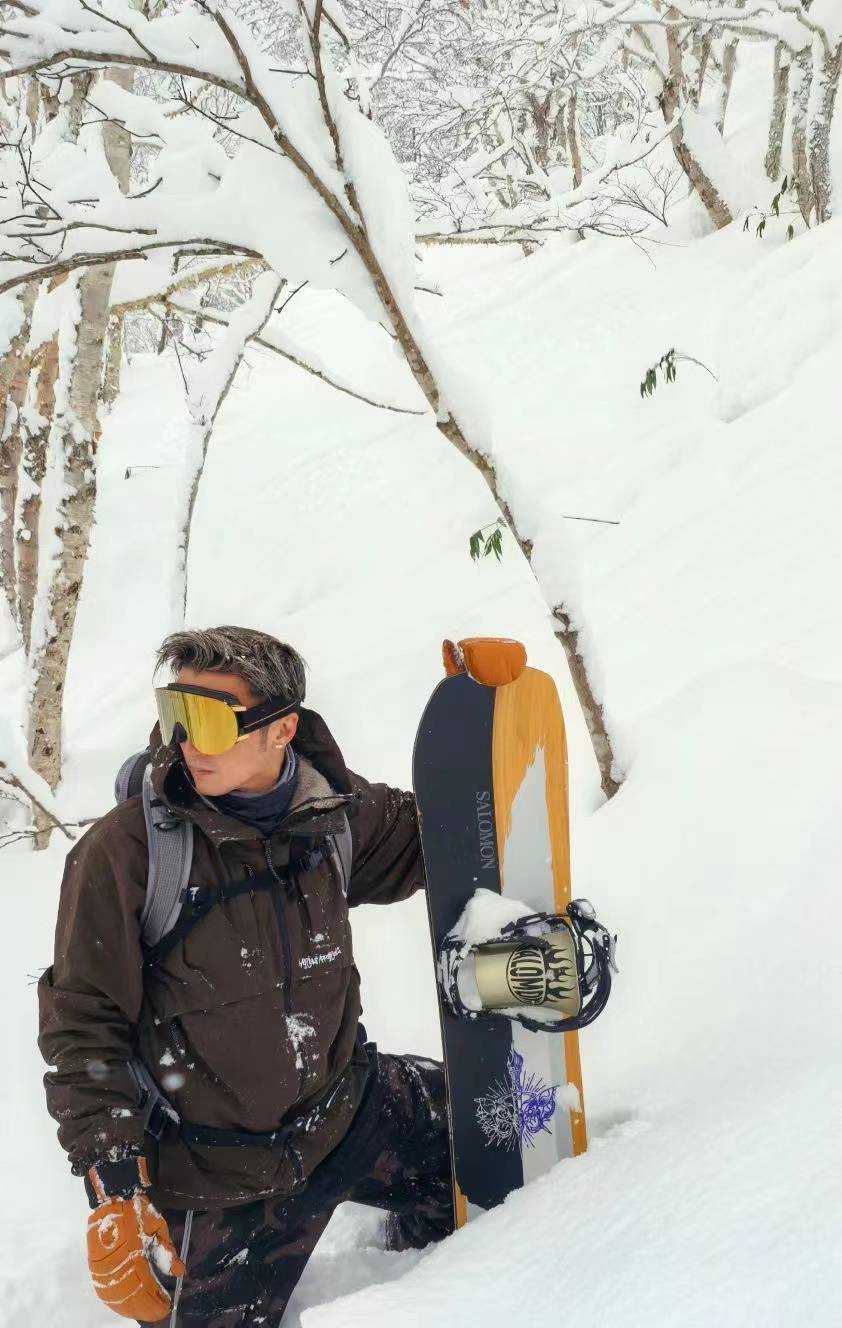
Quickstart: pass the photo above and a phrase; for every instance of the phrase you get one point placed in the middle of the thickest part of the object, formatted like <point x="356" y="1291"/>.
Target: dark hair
<point x="270" y="667"/>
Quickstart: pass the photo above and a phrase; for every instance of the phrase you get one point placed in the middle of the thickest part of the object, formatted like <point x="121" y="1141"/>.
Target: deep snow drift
<point x="711" y="1192"/>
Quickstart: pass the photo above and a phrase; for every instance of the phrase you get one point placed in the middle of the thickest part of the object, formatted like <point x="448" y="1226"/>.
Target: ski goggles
<point x="213" y="722"/>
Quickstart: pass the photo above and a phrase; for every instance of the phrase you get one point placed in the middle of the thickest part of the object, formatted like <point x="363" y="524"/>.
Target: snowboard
<point x="490" y="780"/>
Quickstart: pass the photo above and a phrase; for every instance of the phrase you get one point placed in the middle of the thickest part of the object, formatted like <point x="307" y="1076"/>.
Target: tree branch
<point x="8" y="777"/>
<point x="293" y="359"/>
<point x="60" y="267"/>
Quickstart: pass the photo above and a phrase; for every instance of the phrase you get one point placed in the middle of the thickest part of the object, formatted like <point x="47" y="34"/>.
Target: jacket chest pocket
<point x="321" y="943"/>
<point x="230" y="954"/>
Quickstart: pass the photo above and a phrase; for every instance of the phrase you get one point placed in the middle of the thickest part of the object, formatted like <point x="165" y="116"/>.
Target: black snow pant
<point x="243" y="1263"/>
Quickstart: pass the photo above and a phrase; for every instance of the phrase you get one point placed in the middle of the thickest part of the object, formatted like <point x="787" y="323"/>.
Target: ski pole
<point x="185" y="1246"/>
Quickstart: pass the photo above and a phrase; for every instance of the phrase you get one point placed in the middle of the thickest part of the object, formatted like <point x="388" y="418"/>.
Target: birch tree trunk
<point x="36" y="419"/>
<point x="113" y="360"/>
<point x="702" y="58"/>
<point x="13" y="377"/>
<point x="71" y="449"/>
<point x="777" y="119"/>
<point x="802" y="77"/>
<point x="823" y="99"/>
<point x="573" y="138"/>
<point x="714" y="203"/>
<point x="729" y="65"/>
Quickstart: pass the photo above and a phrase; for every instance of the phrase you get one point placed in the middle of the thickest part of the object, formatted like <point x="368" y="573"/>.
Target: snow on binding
<point x="520" y="966"/>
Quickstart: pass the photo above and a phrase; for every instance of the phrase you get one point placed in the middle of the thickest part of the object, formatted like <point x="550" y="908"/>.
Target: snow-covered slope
<point x="711" y="1193"/>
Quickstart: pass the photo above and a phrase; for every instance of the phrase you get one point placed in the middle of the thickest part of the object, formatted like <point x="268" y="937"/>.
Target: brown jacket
<point x="253" y="1016"/>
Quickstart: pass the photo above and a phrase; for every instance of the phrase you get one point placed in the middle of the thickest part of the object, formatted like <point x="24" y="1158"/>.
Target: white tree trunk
<point x="828" y="69"/>
<point x="13" y="376"/>
<point x="801" y="79"/>
<point x="729" y="67"/>
<point x="36" y="419"/>
<point x="71" y="449"/>
<point x="573" y="138"/>
<point x="777" y="118"/>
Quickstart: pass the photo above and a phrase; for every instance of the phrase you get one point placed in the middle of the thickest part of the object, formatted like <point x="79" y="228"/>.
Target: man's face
<point x="254" y="763"/>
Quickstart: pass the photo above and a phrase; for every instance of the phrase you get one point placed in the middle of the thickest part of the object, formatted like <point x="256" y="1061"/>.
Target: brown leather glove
<point x="127" y="1240"/>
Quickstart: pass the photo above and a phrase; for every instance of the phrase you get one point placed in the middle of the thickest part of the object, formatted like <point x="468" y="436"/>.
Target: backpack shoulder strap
<point x="170" y="858"/>
<point x="129" y="779"/>
<point x="342" y="849"/>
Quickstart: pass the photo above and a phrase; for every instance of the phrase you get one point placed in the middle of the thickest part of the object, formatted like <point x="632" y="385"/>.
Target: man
<point x="246" y="1015"/>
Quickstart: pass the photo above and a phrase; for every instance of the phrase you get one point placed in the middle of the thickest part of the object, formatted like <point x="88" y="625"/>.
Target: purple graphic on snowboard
<point x="516" y="1111"/>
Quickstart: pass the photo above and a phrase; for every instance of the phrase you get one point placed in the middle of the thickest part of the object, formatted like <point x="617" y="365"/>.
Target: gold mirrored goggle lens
<point x="210" y="724"/>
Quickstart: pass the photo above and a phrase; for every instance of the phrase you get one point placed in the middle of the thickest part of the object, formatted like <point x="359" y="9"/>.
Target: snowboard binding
<point x="560" y="964"/>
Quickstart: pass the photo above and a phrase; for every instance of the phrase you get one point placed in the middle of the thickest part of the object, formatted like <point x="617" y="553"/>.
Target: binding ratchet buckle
<point x="550" y="972"/>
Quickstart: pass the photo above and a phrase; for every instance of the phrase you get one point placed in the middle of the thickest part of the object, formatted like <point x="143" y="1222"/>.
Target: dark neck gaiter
<point x="262" y="810"/>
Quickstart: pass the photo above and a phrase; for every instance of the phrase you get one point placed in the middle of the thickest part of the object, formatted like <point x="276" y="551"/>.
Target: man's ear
<point x="283" y="730"/>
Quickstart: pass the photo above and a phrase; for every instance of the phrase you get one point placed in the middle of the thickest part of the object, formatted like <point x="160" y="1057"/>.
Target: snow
<point x="214" y="374"/>
<point x="711" y="1191"/>
<point x="486" y="914"/>
<point x="382" y="193"/>
<point x="14" y="767"/>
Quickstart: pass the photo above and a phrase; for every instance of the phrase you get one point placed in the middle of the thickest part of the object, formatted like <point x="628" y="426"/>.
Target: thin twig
<point x="291" y="296"/>
<point x="600" y="520"/>
<point x="293" y="359"/>
<point x="98" y="13"/>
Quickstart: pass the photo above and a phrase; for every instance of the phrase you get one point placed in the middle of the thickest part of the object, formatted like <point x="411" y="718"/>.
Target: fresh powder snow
<point x="711" y="1191"/>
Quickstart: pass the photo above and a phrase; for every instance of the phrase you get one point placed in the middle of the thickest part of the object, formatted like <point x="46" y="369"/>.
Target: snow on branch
<point x="288" y="349"/>
<point x="784" y="21"/>
<point x="27" y="785"/>
<point x="312" y="191"/>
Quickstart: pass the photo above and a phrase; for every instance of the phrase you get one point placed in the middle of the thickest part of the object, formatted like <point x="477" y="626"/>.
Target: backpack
<point x="171" y="851"/>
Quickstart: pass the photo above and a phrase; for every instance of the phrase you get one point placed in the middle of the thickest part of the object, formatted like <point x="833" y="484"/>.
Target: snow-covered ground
<point x="711" y="1194"/>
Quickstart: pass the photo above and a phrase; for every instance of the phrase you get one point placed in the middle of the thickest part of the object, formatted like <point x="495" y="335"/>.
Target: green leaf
<point x="475" y="544"/>
<point x="790" y="232"/>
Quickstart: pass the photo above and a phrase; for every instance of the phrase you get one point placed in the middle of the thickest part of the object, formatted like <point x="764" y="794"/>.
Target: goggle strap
<point x="258" y="716"/>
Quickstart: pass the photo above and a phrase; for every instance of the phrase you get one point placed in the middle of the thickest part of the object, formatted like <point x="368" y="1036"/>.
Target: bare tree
<point x="811" y="51"/>
<point x="342" y="166"/>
